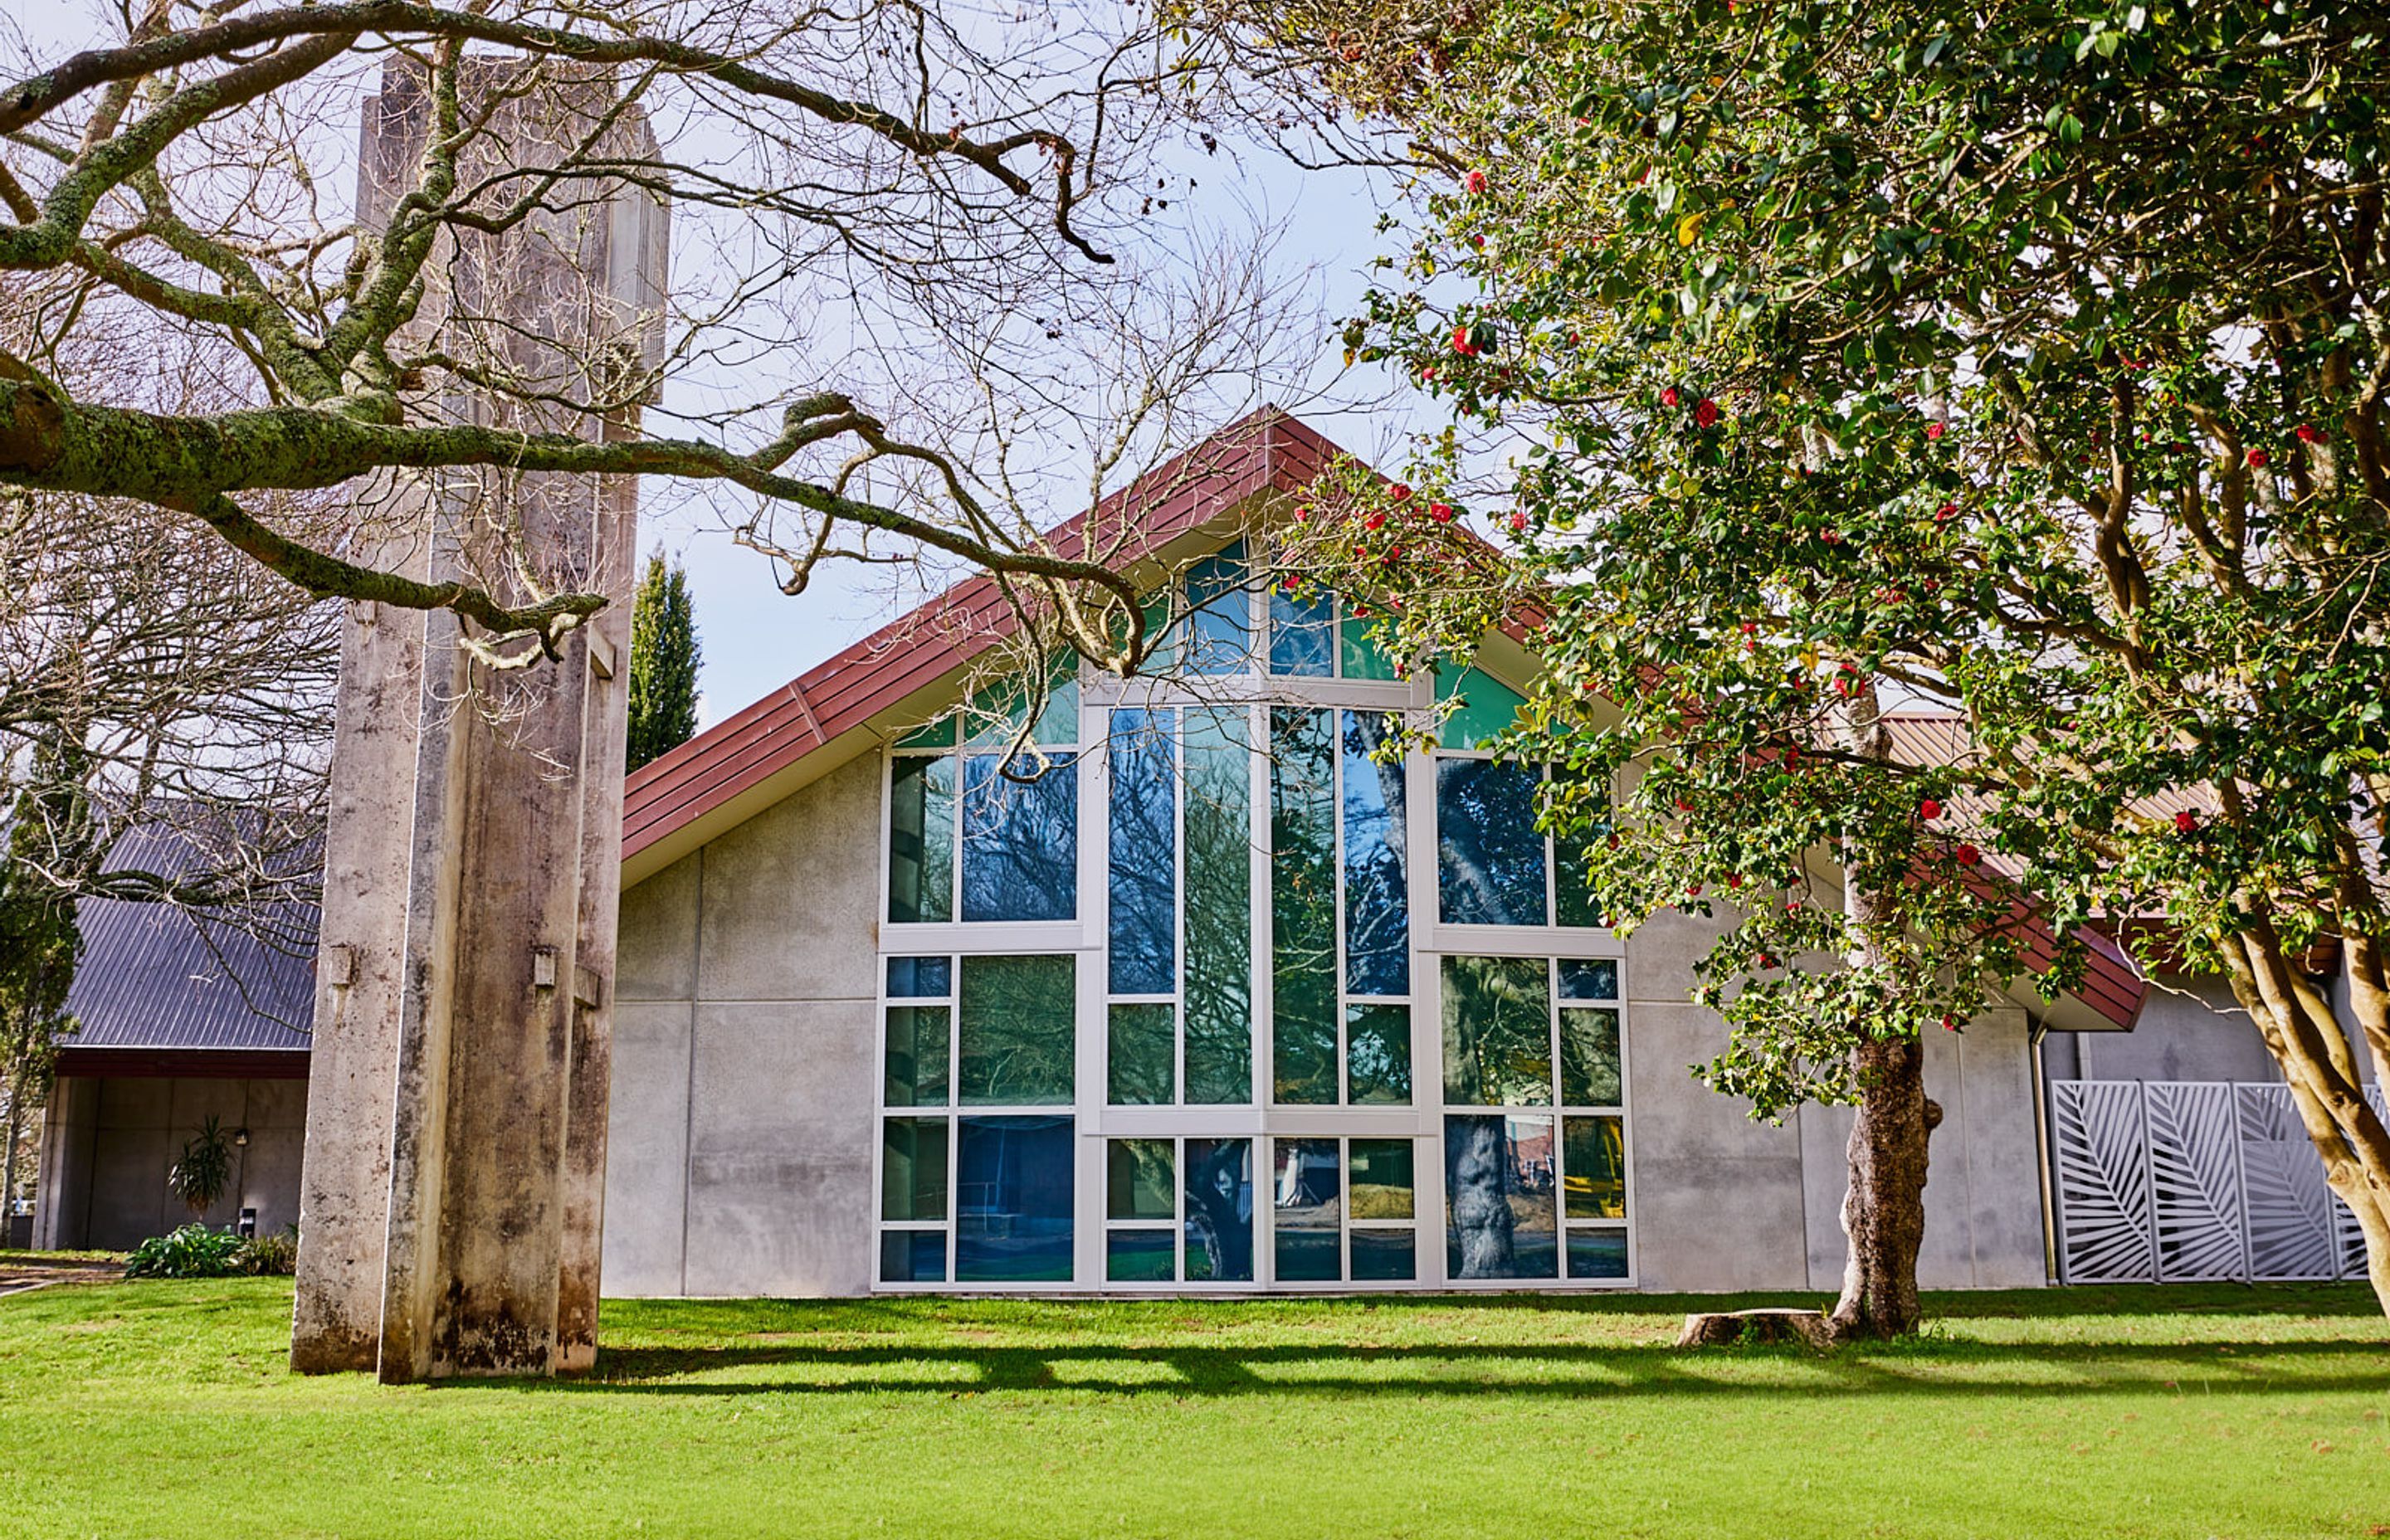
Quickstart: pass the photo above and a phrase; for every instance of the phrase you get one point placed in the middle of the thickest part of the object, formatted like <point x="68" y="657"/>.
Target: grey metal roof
<point x="154" y="976"/>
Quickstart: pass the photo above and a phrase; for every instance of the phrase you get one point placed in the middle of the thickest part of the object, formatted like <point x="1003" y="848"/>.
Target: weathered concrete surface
<point x="745" y="1080"/>
<point x="472" y="908"/>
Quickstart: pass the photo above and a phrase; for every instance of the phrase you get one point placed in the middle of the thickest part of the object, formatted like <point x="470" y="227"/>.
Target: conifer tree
<point x="664" y="657"/>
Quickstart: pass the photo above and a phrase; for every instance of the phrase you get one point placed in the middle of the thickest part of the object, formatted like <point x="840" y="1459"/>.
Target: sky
<point x="756" y="638"/>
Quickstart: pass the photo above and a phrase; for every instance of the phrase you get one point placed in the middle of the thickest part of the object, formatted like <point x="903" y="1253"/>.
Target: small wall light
<point x="240" y="1137"/>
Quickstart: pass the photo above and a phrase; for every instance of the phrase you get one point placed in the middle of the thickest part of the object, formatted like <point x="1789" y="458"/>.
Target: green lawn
<point x="163" y="1409"/>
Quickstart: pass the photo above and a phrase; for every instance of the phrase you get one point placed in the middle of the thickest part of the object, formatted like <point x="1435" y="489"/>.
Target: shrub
<point x="192" y="1251"/>
<point x="274" y="1255"/>
<point x="205" y="1170"/>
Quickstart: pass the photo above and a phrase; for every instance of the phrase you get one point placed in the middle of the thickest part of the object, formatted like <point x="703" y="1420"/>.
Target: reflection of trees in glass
<point x="1498" y="1186"/>
<point x="1140" y="1051"/>
<point x="921" y="840"/>
<point x="913" y="1169"/>
<point x="1143" y="853"/>
<point x="1489" y="856"/>
<point x="1219" y="908"/>
<point x="1219" y="620"/>
<point x="1378" y="1054"/>
<point x="1302" y="906"/>
<point x="1308" y="1203"/>
<point x="1497" y="1045"/>
<point x="1141" y="1179"/>
<point x="917" y="1055"/>
<point x="1017" y="1031"/>
<point x="1219" y="1210"/>
<point x="1589" y="1057"/>
<point x="1377" y="893"/>
<point x="1020" y="839"/>
<point x="1596" y="1151"/>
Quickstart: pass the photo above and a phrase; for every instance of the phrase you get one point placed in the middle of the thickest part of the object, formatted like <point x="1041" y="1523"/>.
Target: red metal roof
<point x="1268" y="451"/>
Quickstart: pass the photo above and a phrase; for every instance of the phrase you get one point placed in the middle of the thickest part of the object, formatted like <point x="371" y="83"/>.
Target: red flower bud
<point x="1735" y="880"/>
<point x="1946" y="512"/>
<point x="1934" y="430"/>
<point x="1375" y="521"/>
<point x="1518" y="522"/>
<point x="2310" y="433"/>
<point x="1461" y="344"/>
<point x="1968" y="855"/>
<point x="1668" y="396"/>
<point x="1400" y="492"/>
<point x="2186" y="822"/>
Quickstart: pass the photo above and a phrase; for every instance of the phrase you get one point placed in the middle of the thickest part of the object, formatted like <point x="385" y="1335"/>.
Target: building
<point x="1204" y="998"/>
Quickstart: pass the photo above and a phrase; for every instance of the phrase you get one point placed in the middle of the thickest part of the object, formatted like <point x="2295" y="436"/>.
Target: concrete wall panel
<point x="791" y="897"/>
<point x="647" y="1146"/>
<point x="656" y="956"/>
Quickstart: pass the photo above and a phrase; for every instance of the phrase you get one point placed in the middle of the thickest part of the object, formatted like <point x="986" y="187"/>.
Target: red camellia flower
<point x="1668" y="397"/>
<point x="1968" y="855"/>
<point x="2310" y="433"/>
<point x="1949" y="1024"/>
<point x="1934" y="430"/>
<point x="1477" y="181"/>
<point x="1694" y="892"/>
<point x="1735" y="881"/>
<point x="1831" y="537"/>
<point x="1440" y="512"/>
<point x="1375" y="521"/>
<point x="1929" y="810"/>
<point x="1766" y="961"/>
<point x="1301" y="512"/>
<point x="1518" y="522"/>
<point x="2186" y="822"/>
<point x="1946" y="512"/>
<point x="1706" y="414"/>
<point x="1461" y="344"/>
<point x="1400" y="492"/>
<point x="1427" y="374"/>
<point x="2257" y="458"/>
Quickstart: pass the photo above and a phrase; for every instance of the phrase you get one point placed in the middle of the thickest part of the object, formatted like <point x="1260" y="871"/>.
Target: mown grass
<point x="164" y="1409"/>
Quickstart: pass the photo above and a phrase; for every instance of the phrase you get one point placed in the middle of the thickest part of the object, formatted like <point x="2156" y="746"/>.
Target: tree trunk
<point x="1884" y="1214"/>
<point x="8" y="1162"/>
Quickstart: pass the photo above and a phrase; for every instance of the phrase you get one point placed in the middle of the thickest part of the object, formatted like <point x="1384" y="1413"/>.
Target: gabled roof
<point x="725" y="774"/>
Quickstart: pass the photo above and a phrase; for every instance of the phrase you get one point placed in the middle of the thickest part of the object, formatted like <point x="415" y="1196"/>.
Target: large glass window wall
<point x="1192" y="984"/>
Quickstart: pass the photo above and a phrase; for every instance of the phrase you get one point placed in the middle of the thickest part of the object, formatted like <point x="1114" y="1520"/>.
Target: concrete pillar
<point x="454" y="1177"/>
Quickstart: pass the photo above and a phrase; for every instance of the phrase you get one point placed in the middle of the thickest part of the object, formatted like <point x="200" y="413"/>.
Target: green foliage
<point x="39" y="941"/>
<point x="200" y="1176"/>
<point x="191" y="1251"/>
<point x="274" y="1254"/>
<point x="2022" y="365"/>
<point x="664" y="658"/>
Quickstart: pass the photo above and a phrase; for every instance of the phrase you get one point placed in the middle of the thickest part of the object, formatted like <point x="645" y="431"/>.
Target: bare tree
<point x="914" y="243"/>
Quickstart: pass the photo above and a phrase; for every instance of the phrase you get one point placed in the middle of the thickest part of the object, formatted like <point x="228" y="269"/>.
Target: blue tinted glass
<point x="1308" y="1198"/>
<point x="1303" y="634"/>
<point x="1377" y="889"/>
<point x="1219" y="908"/>
<point x="1219" y="620"/>
<point x="1219" y="1210"/>
<point x="920" y="977"/>
<point x="1302" y="906"/>
<point x="913" y="1256"/>
<point x="1597" y="1253"/>
<point x="1489" y="857"/>
<point x="1140" y="1256"/>
<point x="1020" y="839"/>
<point x="1499" y="1176"/>
<point x="1012" y="1200"/>
<point x="1383" y="1256"/>
<point x="1144" y="853"/>
<point x="1589" y="979"/>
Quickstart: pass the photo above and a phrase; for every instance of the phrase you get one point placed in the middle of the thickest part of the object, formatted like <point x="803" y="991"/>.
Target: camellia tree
<point x="2021" y="364"/>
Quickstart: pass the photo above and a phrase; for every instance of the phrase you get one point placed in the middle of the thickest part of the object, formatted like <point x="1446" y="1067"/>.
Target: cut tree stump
<point x="1728" y="1327"/>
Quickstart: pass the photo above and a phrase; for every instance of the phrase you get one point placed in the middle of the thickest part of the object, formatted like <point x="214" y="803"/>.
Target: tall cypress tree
<point x="39" y="943"/>
<point x="665" y="655"/>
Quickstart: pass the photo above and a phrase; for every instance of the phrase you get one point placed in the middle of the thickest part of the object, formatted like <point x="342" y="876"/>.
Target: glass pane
<point x="1307" y="1200"/>
<point x="1589" y="979"/>
<point x="1588" y="1057"/>
<point x="995" y="715"/>
<point x="1384" y="1255"/>
<point x="1381" y="1179"/>
<point x="931" y="734"/>
<point x="1219" y="908"/>
<point x="917" y="1055"/>
<point x="921" y="841"/>
<point x="1020" y="839"/>
<point x="1488" y="706"/>
<point x="1220" y="627"/>
<point x="1302" y="635"/>
<point x="1497" y="1027"/>
<point x="1572" y="895"/>
<point x="1378" y="1054"/>
<point x="1139" y="1067"/>
<point x="920" y="979"/>
<point x="1360" y="654"/>
<point x="913" y="1256"/>
<point x="1012" y="1199"/>
<point x="1017" y="1038"/>
<point x="913" y="1168"/>
<point x="1489" y="858"/>
<point x="1140" y="1256"/>
<point x="1498" y="1219"/>
<point x="1303" y="906"/>
<point x="1595" y="1153"/>
<point x="1377" y="862"/>
<point x="1141" y="1180"/>
<point x="1219" y="1210"/>
<point x="1144" y="853"/>
<point x="1597" y="1253"/>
